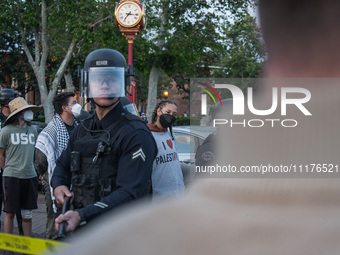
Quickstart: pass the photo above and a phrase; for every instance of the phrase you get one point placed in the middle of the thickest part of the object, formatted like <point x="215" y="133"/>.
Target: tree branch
<point x="44" y="36"/>
<point x="36" y="47"/>
<point x="61" y="70"/>
<point x="100" y="21"/>
<point x="28" y="53"/>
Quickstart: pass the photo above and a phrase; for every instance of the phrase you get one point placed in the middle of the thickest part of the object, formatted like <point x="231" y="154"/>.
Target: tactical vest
<point x="93" y="172"/>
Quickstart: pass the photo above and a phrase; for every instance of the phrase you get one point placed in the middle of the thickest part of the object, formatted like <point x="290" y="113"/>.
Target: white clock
<point x="128" y="14"/>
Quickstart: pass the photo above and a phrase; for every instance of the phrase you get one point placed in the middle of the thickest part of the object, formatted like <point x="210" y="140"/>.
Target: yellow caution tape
<point x="28" y="245"/>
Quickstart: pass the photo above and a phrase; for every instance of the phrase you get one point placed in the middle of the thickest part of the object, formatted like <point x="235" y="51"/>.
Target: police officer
<point x="111" y="152"/>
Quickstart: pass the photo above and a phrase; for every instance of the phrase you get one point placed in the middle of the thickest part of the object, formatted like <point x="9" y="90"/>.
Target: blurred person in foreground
<point x="111" y="152"/>
<point x="258" y="215"/>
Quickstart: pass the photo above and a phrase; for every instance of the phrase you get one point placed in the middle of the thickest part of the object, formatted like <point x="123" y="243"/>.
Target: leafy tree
<point x="102" y="33"/>
<point x="51" y="33"/>
<point x="185" y="35"/>
<point x="14" y="66"/>
<point x="243" y="52"/>
<point x="182" y="39"/>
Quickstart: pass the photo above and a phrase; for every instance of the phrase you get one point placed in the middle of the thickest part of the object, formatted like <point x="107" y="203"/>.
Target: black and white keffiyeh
<point x="51" y="141"/>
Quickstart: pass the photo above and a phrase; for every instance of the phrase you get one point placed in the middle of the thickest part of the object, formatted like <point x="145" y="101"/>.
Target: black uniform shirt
<point x="133" y="173"/>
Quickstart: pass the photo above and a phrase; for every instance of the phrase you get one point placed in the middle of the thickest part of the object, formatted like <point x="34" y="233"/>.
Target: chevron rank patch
<point x="139" y="153"/>
<point x="101" y="205"/>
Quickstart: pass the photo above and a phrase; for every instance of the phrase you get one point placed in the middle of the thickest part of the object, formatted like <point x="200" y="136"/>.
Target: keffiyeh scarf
<point x="52" y="141"/>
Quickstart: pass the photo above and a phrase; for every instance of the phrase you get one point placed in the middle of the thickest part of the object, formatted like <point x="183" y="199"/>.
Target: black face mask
<point x="167" y="120"/>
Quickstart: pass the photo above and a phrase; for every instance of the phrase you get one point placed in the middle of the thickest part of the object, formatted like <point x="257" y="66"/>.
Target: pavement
<point x="38" y="221"/>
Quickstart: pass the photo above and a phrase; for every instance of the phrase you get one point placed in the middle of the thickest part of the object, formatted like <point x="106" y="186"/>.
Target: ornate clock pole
<point x="130" y="19"/>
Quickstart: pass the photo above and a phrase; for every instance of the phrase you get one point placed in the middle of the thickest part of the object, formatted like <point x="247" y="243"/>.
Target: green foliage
<point x="91" y="24"/>
<point x="88" y="22"/>
<point x="41" y="118"/>
<point x="243" y="51"/>
<point x="184" y="38"/>
<point x="13" y="63"/>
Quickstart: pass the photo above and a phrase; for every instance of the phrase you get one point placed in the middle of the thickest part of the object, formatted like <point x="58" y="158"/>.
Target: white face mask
<point x="76" y="110"/>
<point x="28" y="115"/>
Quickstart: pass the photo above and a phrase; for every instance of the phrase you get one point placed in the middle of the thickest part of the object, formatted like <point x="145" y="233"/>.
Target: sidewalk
<point x="38" y="222"/>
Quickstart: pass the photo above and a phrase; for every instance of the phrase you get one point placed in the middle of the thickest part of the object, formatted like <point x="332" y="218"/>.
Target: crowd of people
<point x="112" y="158"/>
<point x="100" y="162"/>
<point x="256" y="215"/>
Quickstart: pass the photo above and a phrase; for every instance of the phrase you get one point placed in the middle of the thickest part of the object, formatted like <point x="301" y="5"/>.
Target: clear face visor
<point x="106" y="82"/>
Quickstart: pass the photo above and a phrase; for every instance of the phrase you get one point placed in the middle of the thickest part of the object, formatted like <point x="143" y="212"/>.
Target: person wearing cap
<point x="143" y="116"/>
<point x="111" y="152"/>
<point x="17" y="141"/>
<point x="50" y="144"/>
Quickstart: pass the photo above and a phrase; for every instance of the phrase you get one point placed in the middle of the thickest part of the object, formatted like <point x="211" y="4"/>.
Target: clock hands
<point x="127" y="15"/>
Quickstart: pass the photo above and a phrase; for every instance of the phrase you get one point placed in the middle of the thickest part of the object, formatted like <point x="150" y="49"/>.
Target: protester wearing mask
<point x="50" y="143"/>
<point x="17" y="140"/>
<point x="7" y="95"/>
<point x="167" y="177"/>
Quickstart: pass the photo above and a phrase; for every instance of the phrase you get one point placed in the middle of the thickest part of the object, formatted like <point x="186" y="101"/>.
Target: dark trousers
<point x="18" y="214"/>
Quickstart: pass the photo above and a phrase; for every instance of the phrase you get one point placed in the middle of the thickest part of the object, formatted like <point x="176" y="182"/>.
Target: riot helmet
<point x="7" y="95"/>
<point x="129" y="106"/>
<point x="105" y="74"/>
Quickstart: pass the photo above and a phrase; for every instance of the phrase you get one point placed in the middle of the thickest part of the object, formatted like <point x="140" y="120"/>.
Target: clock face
<point x="129" y="14"/>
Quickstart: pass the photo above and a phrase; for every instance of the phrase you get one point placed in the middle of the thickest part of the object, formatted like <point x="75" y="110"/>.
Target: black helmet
<point x="105" y="74"/>
<point x="7" y="95"/>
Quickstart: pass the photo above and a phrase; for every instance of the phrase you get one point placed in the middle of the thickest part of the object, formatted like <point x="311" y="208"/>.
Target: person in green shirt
<point x="17" y="142"/>
<point x="6" y="96"/>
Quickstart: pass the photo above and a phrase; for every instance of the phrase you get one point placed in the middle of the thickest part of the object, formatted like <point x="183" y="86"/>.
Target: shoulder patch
<point x="139" y="153"/>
